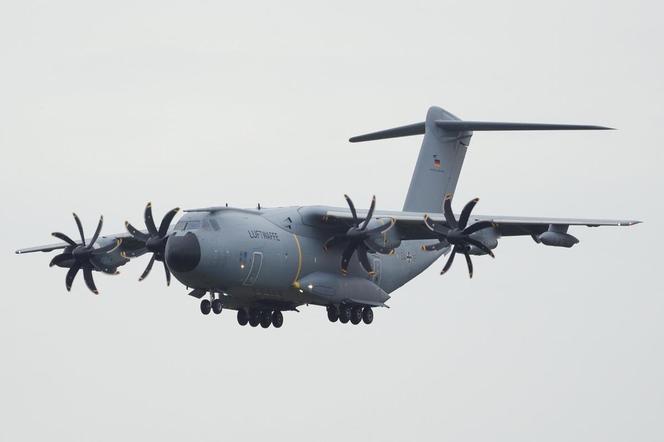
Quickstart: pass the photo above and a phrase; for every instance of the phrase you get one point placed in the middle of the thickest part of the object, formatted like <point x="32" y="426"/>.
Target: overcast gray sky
<point x="105" y="106"/>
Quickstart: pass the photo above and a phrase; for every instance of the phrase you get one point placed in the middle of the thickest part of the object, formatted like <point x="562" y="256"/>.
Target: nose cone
<point x="183" y="253"/>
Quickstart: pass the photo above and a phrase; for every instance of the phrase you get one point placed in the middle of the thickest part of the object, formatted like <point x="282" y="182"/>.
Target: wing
<point x="410" y="225"/>
<point x="128" y="244"/>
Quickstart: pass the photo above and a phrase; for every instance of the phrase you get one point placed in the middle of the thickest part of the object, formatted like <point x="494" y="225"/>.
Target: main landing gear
<point x="254" y="317"/>
<point x="264" y="318"/>
<point x="350" y="313"/>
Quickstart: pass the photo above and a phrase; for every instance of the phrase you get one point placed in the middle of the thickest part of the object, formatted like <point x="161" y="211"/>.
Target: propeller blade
<point x="80" y="228"/>
<point x="166" y="221"/>
<point x="364" y="259"/>
<point x="370" y="213"/>
<point x="98" y="231"/>
<point x="149" y="220"/>
<point x="373" y="245"/>
<point x="380" y="229"/>
<point x="333" y="241"/>
<point x="465" y="213"/>
<point x="59" y="259"/>
<point x="477" y="227"/>
<point x="447" y="211"/>
<point x="136" y="233"/>
<point x="146" y="272"/>
<point x="356" y="222"/>
<point x="71" y="274"/>
<point x="64" y="238"/>
<point x="168" y="274"/>
<point x="450" y="260"/>
<point x="435" y="247"/>
<point x="347" y="255"/>
<point x="469" y="262"/>
<point x="108" y="248"/>
<point x="480" y="246"/>
<point x="89" y="281"/>
<point x="435" y="226"/>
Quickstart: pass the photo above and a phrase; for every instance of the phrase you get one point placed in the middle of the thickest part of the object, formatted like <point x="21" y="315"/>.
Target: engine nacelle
<point x="557" y="236"/>
<point x="488" y="237"/>
<point x="390" y="239"/>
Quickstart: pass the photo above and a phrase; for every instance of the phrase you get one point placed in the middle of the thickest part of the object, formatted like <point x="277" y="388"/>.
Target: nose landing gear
<point x="213" y="304"/>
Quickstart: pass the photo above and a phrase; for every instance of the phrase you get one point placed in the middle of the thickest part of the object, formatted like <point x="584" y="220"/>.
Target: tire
<point x="367" y="315"/>
<point x="277" y="319"/>
<point x="344" y="313"/>
<point x="206" y="306"/>
<point x="217" y="306"/>
<point x="254" y="318"/>
<point x="356" y="315"/>
<point x="266" y="319"/>
<point x="242" y="317"/>
<point x="332" y="313"/>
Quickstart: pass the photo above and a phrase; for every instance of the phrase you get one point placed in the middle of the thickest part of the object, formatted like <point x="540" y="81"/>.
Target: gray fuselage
<point x="255" y="257"/>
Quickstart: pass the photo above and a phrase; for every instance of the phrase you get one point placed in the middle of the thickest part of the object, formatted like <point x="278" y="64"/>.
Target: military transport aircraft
<point x="264" y="261"/>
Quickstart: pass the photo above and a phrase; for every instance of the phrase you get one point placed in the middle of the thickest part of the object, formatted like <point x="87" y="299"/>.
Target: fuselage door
<point x="254" y="271"/>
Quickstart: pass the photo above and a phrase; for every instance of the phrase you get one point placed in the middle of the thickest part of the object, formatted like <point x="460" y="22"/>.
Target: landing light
<point x="310" y="286"/>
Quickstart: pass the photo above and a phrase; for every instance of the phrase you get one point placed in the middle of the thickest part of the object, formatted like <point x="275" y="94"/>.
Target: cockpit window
<point x="214" y="224"/>
<point x="180" y="225"/>
<point x="191" y="225"/>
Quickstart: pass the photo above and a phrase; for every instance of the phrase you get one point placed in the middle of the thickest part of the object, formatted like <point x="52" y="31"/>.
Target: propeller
<point x="153" y="242"/>
<point x="358" y="239"/>
<point x="457" y="234"/>
<point x="81" y="256"/>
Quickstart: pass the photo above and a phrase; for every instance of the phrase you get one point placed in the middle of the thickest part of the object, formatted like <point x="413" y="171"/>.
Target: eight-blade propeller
<point x="154" y="241"/>
<point x="456" y="233"/>
<point x="81" y="255"/>
<point x="358" y="238"/>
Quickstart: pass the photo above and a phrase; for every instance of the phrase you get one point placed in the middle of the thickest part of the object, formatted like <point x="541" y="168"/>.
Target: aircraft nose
<point x="183" y="253"/>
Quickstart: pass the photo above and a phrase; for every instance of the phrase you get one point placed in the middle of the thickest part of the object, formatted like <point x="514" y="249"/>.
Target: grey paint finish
<point x="438" y="165"/>
<point x="274" y="258"/>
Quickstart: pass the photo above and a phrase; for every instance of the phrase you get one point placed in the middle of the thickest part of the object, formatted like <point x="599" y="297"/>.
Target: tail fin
<point x="446" y="139"/>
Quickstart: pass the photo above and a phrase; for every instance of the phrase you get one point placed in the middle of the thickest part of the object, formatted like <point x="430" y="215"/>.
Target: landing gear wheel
<point x="356" y="315"/>
<point x="206" y="306"/>
<point x="277" y="319"/>
<point x="344" y="314"/>
<point x="216" y="306"/>
<point x="266" y="319"/>
<point x="332" y="313"/>
<point x="242" y="317"/>
<point x="367" y="315"/>
<point x="254" y="318"/>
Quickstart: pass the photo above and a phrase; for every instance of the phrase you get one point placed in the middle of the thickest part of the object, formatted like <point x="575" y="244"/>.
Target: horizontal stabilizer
<point x="463" y="126"/>
<point x="401" y="131"/>
<point x="469" y="126"/>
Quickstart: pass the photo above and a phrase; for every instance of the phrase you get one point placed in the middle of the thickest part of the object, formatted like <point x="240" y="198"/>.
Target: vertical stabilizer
<point x="438" y="165"/>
